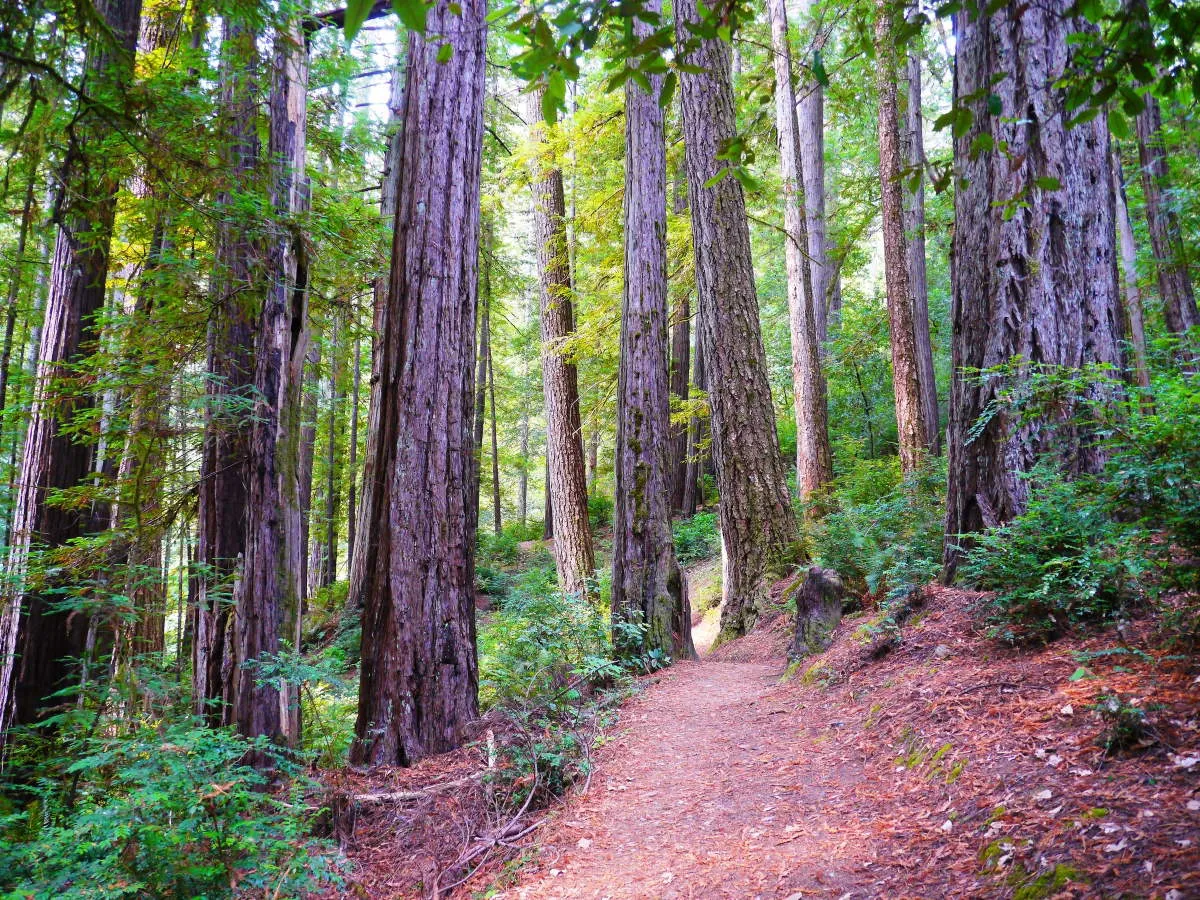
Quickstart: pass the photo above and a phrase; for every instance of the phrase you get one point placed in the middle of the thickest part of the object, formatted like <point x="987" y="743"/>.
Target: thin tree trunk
<point x="547" y="505"/>
<point x="911" y="427"/>
<point x="648" y="587"/>
<point x="39" y="646"/>
<point x="497" y="524"/>
<point x="418" y="677"/>
<point x="564" y="434"/>
<point x="352" y="475"/>
<point x="1171" y="256"/>
<point x="269" y="594"/>
<point x="224" y="468"/>
<point x="336" y="396"/>
<point x="913" y="141"/>
<point x="1068" y="315"/>
<point x="681" y="347"/>
<point x="309" y="403"/>
<point x="692" y="497"/>
<point x="758" y="527"/>
<point x="1131" y="295"/>
<point x="523" y="475"/>
<point x="14" y="290"/>
<point x="811" y="112"/>
<point x="814" y="460"/>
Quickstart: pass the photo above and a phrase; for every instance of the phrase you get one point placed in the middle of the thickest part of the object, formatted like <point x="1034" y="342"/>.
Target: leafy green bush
<point x="696" y="538"/>
<point x="166" y="812"/>
<point x="882" y="535"/>
<point x="1064" y="562"/>
<point x="600" y="510"/>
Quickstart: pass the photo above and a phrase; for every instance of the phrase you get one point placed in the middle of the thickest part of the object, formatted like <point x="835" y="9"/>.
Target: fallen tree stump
<point x="818" y="612"/>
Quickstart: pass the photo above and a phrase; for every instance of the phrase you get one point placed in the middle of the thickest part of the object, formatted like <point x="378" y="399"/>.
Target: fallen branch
<point x="400" y="796"/>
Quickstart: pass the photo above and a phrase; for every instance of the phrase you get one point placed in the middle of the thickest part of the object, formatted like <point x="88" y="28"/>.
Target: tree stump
<point x="818" y="612"/>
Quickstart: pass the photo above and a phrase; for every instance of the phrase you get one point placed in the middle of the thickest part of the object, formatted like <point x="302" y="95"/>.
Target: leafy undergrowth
<point x="1069" y="771"/>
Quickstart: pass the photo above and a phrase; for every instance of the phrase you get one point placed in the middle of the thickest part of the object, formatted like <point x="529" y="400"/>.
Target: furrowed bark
<point x="1040" y="285"/>
<point x="419" y="678"/>
<point x="648" y="587"/>
<point x="814" y="460"/>
<point x="560" y="381"/>
<point x="758" y="527"/>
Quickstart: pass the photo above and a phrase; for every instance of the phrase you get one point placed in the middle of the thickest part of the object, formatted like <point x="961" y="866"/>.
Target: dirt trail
<point x="698" y="795"/>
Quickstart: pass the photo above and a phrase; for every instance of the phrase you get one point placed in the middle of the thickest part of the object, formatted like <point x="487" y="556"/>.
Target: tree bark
<point x="1166" y="238"/>
<point x="911" y="426"/>
<point x="269" y="593"/>
<point x="811" y="114"/>
<point x="1131" y="295"/>
<point x="758" y="527"/>
<point x="224" y="467"/>
<point x="419" y="678"/>
<point x="648" y="587"/>
<point x="560" y="381"/>
<point x="913" y="141"/>
<point x="814" y="460"/>
<point x="352" y="475"/>
<point x="681" y="349"/>
<point x="336" y="396"/>
<point x="523" y="475"/>
<point x="40" y="648"/>
<point x="1039" y="285"/>
<point x="497" y="524"/>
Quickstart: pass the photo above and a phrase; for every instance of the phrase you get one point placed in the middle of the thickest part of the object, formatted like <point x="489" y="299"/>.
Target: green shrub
<point x="1064" y="562"/>
<point x="600" y="510"/>
<point x="164" y="812"/>
<point x="882" y="535"/>
<point x="696" y="538"/>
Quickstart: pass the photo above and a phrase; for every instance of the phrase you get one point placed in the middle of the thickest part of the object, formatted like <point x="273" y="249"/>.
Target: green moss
<point x="1047" y="883"/>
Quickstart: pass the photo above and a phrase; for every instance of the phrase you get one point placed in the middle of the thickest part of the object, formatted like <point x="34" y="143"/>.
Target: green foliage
<point x="160" y="812"/>
<point x="1125" y="724"/>
<point x="1064" y="562"/>
<point x="696" y="538"/>
<point x="883" y="535"/>
<point x="600" y="510"/>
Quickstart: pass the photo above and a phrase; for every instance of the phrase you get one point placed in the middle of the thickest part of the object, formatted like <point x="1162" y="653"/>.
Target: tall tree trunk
<point x="1131" y="295"/>
<point x="697" y="431"/>
<point x="547" y="505"/>
<point x="911" y="428"/>
<point x="40" y="646"/>
<point x="1170" y="251"/>
<point x="497" y="524"/>
<point x="224" y="467"/>
<point x="648" y="587"/>
<point x="367" y="514"/>
<point x="523" y="475"/>
<point x="332" y="496"/>
<point x="1040" y="285"/>
<point x="352" y="474"/>
<point x="913" y="141"/>
<point x="814" y="460"/>
<point x="419" y="676"/>
<point x="309" y="403"/>
<point x="28" y="209"/>
<point x="269" y="593"/>
<point x="681" y="348"/>
<point x="758" y="527"/>
<point x="560" y="381"/>
<point x="811" y="111"/>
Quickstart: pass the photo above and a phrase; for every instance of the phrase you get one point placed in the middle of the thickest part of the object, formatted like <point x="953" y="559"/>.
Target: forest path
<point x="709" y="787"/>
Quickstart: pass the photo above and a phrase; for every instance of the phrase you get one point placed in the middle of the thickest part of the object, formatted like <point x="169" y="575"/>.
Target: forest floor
<point x="946" y="766"/>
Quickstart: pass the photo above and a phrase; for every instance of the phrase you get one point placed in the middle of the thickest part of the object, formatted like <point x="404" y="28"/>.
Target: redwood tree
<point x="648" y="587"/>
<point x="40" y="645"/>
<point x="1039" y="284"/>
<point x="758" y="527"/>
<point x="419" y="677"/>
<point x="566" y="472"/>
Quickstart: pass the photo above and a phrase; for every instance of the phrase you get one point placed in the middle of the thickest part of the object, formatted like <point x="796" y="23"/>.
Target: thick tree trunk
<point x="1170" y="251"/>
<point x="648" y="587"/>
<point x="560" y="381"/>
<point x="1040" y="285"/>
<point x="224" y="468"/>
<point x="39" y="647"/>
<point x="269" y="593"/>
<point x="419" y="676"/>
<point x="913" y="141"/>
<point x="811" y="113"/>
<point x="814" y="460"/>
<point x="758" y="527"/>
<point x="911" y="427"/>
<point x="1131" y="295"/>
<point x="392" y="164"/>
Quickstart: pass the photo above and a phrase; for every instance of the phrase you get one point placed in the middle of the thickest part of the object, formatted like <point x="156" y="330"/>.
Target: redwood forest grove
<point x="599" y="449"/>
